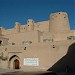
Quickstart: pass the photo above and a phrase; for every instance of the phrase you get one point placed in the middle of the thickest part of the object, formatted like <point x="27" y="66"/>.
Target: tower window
<point x="24" y="48"/>
<point x="71" y="37"/>
<point x="64" y="17"/>
<point x="0" y="42"/>
<point x="28" y="25"/>
<point x="59" y="13"/>
<point x="53" y="46"/>
<point x="13" y="43"/>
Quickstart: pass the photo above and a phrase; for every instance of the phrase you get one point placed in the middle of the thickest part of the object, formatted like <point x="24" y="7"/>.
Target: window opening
<point x="0" y="42"/>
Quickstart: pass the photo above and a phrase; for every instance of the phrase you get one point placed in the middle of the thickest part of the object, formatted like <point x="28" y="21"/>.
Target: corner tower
<point x="59" y="22"/>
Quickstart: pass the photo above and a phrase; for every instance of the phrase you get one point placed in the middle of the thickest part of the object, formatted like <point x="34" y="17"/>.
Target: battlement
<point x="57" y="23"/>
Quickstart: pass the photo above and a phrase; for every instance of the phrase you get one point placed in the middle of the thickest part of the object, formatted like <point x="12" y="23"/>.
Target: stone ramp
<point x="29" y="73"/>
<point x="7" y="71"/>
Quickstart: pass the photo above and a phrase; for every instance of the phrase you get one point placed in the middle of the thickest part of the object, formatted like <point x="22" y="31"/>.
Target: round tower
<point x="30" y="25"/>
<point x="59" y="22"/>
<point x="17" y="27"/>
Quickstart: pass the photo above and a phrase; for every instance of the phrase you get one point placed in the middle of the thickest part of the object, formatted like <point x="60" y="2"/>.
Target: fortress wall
<point x="36" y="26"/>
<point x="43" y="26"/>
<point x="18" y="38"/>
<point x="23" y="28"/>
<point x="62" y="36"/>
<point x="47" y="52"/>
<point x="8" y="31"/>
<point x="48" y="56"/>
<point x="49" y="37"/>
<point x="30" y="26"/>
<point x="46" y="37"/>
<point x="13" y="30"/>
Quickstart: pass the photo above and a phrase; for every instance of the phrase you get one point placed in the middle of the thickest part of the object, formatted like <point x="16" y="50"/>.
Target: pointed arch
<point x="14" y="62"/>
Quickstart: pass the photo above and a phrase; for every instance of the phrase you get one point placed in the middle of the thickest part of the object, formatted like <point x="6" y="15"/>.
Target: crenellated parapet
<point x="58" y="23"/>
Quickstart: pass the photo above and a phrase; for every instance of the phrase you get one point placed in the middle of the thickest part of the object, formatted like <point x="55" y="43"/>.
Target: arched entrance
<point x="16" y="64"/>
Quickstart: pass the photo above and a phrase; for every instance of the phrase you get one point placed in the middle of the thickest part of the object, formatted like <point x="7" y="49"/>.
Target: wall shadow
<point x="66" y="63"/>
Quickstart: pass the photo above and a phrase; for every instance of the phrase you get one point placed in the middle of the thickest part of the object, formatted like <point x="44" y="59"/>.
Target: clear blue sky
<point x="12" y="11"/>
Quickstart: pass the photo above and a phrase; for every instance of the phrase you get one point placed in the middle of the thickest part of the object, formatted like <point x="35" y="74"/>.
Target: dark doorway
<point x="16" y="64"/>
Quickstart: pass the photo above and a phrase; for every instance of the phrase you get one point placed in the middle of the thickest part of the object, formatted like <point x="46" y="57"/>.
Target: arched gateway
<point x="14" y="62"/>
